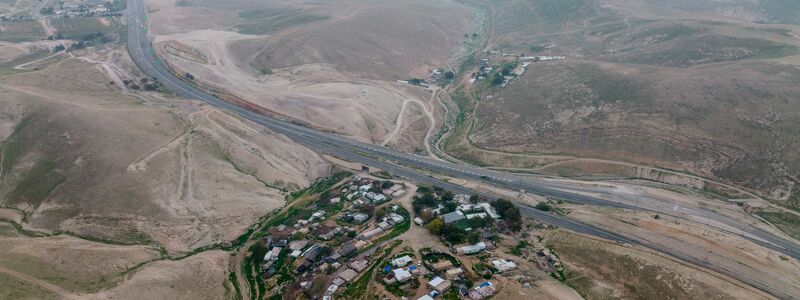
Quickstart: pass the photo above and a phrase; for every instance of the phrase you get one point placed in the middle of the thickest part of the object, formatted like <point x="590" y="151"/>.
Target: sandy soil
<point x="696" y="240"/>
<point x="11" y="215"/>
<point x="72" y="264"/>
<point x="189" y="176"/>
<point x="201" y="276"/>
<point x="298" y="73"/>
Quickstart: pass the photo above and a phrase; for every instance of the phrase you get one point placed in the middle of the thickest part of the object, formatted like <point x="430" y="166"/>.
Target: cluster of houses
<point x="68" y="10"/>
<point x="467" y="210"/>
<point x="334" y="237"/>
<point x="520" y="64"/>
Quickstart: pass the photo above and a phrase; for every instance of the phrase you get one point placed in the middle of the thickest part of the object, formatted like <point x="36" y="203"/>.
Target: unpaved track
<point x="399" y="123"/>
<point x="42" y="284"/>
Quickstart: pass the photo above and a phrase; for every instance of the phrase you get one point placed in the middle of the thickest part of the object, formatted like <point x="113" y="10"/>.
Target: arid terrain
<point x="330" y="65"/>
<point x="115" y="187"/>
<point x="704" y="88"/>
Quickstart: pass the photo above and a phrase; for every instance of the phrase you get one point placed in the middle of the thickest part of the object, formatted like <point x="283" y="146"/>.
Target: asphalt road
<point x="394" y="162"/>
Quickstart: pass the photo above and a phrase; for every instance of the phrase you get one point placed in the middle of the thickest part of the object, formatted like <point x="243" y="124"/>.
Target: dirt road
<point x="45" y="285"/>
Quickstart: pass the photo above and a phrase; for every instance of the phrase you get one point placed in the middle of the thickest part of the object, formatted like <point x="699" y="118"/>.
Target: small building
<point x="360" y="218"/>
<point x="439" y="284"/>
<point x="330" y="234"/>
<point x="385" y="225"/>
<point x="482" y="291"/>
<point x="395" y="218"/>
<point x="453" y="273"/>
<point x="442" y="265"/>
<point x="453" y="217"/>
<point x="401" y="275"/>
<point x="418" y="221"/>
<point x="298" y="245"/>
<point x="503" y="265"/>
<point x="359" y="265"/>
<point x="476" y="215"/>
<point x="296" y="253"/>
<point x="348" y="275"/>
<point x="273" y="254"/>
<point x="348" y="249"/>
<point x="401" y="261"/>
<point x="376" y="198"/>
<point x="365" y="187"/>
<point x="370" y="234"/>
<point x="472" y="249"/>
<point x="398" y="193"/>
<point x="360" y="244"/>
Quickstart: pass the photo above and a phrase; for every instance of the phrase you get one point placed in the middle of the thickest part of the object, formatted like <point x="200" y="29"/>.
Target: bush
<point x="435" y="226"/>
<point x="543" y="206"/>
<point x="449" y="75"/>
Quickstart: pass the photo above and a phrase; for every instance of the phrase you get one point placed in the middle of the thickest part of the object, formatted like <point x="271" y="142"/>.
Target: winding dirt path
<point x="399" y="123"/>
<point x="42" y="284"/>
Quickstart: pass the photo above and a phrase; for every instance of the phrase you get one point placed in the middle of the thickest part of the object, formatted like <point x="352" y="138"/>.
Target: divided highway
<point x="380" y="157"/>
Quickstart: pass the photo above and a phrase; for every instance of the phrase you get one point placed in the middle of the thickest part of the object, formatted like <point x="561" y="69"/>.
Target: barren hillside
<point x="672" y="85"/>
<point x="79" y="156"/>
<point x="331" y="65"/>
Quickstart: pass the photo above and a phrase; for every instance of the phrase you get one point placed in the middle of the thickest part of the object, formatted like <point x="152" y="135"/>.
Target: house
<point x="398" y="193"/>
<point x="348" y="249"/>
<point x="359" y="265"/>
<point x="384" y="225"/>
<point x="273" y="254"/>
<point x="360" y="244"/>
<point x="401" y="261"/>
<point x="476" y="215"/>
<point x="348" y="275"/>
<point x="472" y="249"/>
<point x="483" y="290"/>
<point x="312" y="253"/>
<point x="395" y="218"/>
<point x="452" y="217"/>
<point x="442" y="265"/>
<point x="331" y="290"/>
<point x="503" y="265"/>
<point x="401" y="275"/>
<point x="439" y="284"/>
<point x="376" y="198"/>
<point x="330" y="234"/>
<point x="307" y="264"/>
<point x="370" y="234"/>
<point x="365" y="188"/>
<point x="296" y="253"/>
<point x="461" y="198"/>
<point x="453" y="273"/>
<point x="298" y="245"/>
<point x="413" y="269"/>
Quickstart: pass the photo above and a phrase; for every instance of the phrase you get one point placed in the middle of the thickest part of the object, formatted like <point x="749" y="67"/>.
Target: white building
<point x="472" y="249"/>
<point x="401" y="261"/>
<point x="401" y="275"/>
<point x="503" y="265"/>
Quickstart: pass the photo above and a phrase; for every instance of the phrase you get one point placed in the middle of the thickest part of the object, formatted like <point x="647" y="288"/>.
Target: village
<point x="69" y="9"/>
<point x="364" y="234"/>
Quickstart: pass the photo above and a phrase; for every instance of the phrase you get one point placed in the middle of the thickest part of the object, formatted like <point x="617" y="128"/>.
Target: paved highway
<point x="395" y="162"/>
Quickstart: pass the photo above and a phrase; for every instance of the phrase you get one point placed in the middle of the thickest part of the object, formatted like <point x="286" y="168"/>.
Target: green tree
<point x="435" y="226"/>
<point x="380" y="212"/>
<point x="497" y="79"/>
<point x="474" y="198"/>
<point x="386" y="184"/>
<point x="449" y="75"/>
